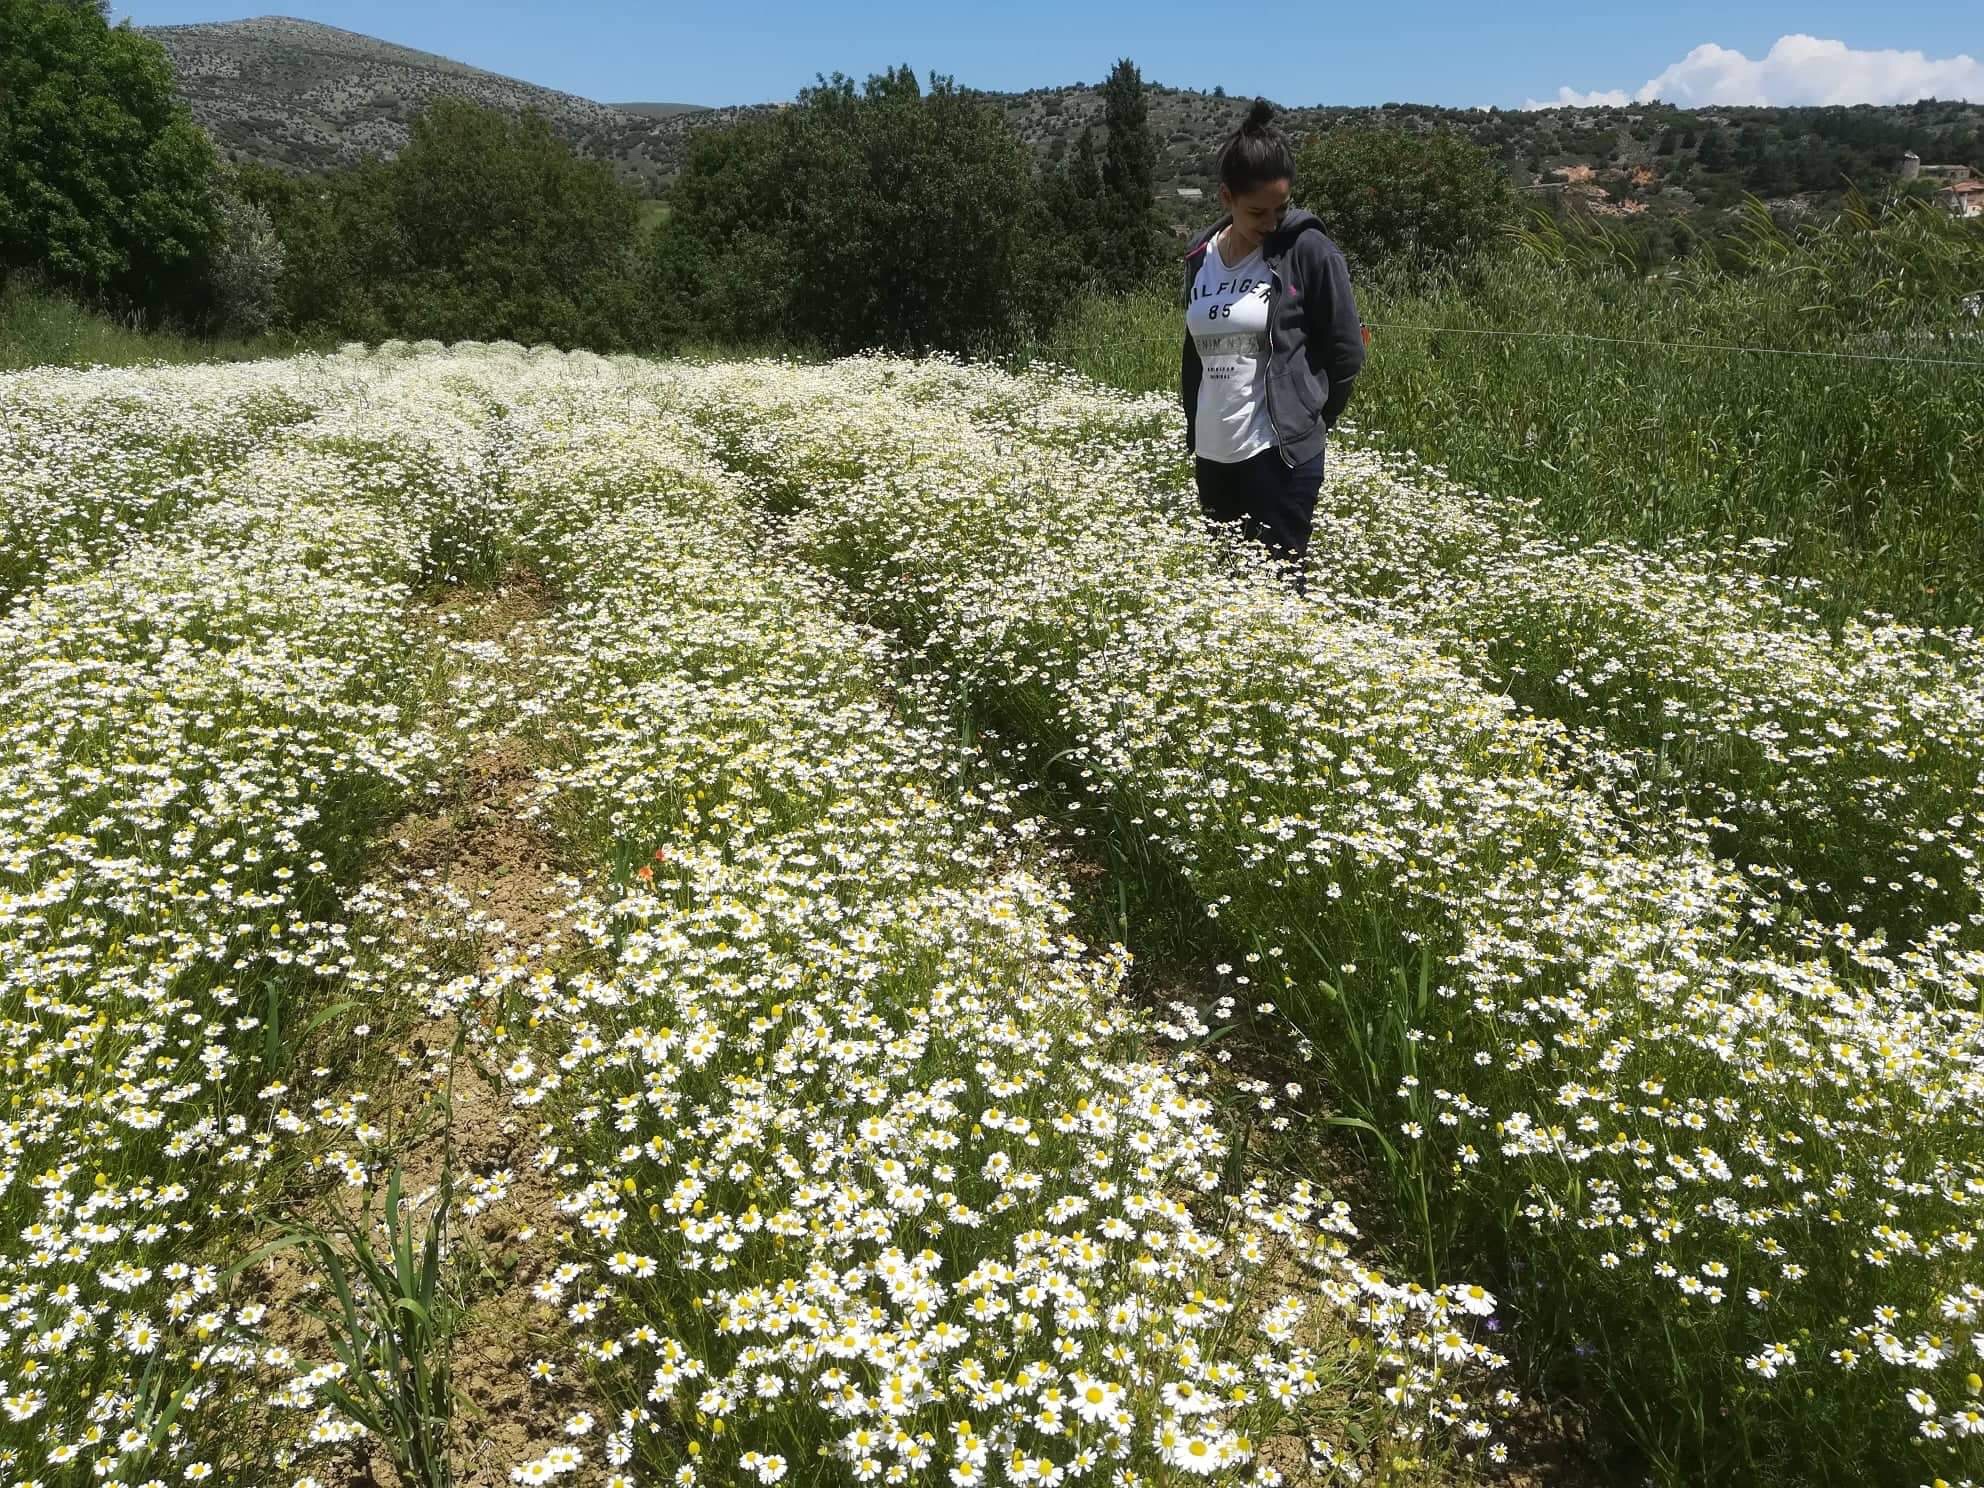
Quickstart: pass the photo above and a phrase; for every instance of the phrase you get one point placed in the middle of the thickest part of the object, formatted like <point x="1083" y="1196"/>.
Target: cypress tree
<point x="1129" y="178"/>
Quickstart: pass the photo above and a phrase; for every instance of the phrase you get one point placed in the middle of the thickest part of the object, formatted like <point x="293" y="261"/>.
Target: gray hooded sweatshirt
<point x="1315" y="340"/>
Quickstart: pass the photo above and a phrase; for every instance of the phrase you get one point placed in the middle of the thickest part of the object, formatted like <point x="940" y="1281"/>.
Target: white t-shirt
<point x="1228" y="322"/>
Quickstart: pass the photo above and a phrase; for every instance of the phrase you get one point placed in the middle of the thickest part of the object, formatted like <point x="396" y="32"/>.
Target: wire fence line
<point x="1974" y="364"/>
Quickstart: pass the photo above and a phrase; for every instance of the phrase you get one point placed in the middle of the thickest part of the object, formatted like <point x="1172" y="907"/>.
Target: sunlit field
<point x="630" y="923"/>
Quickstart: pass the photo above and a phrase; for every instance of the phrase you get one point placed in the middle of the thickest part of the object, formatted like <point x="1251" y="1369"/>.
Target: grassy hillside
<point x="661" y="110"/>
<point x="279" y="91"/>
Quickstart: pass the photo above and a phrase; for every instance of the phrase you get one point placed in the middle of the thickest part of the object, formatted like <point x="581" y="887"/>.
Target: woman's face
<point x="1257" y="211"/>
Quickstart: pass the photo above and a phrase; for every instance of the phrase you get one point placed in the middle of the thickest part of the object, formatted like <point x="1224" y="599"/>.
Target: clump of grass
<point x="390" y="1329"/>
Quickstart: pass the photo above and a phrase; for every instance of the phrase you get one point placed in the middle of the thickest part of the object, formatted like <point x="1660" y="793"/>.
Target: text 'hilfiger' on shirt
<point x="1227" y="317"/>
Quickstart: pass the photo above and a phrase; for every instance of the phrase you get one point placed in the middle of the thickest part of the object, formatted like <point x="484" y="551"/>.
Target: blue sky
<point x="1438" y="51"/>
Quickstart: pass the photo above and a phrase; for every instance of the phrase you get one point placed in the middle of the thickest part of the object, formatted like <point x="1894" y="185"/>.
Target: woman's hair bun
<point x="1256" y="152"/>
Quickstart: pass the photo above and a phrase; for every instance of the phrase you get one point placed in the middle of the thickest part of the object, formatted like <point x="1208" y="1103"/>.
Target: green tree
<point x="505" y="232"/>
<point x="245" y="268"/>
<point x="1085" y="173"/>
<point x="485" y="227"/>
<point x="105" y="180"/>
<point x="889" y="217"/>
<point x="1131" y="236"/>
<point x="1080" y="212"/>
<point x="1063" y="241"/>
<point x="717" y="259"/>
<point x="1390" y="196"/>
<point x="340" y="242"/>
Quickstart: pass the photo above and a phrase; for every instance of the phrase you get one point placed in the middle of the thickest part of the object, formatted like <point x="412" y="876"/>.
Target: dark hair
<point x="1255" y="153"/>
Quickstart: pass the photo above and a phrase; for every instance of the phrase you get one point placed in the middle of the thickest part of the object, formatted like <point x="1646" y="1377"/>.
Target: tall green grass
<point x="41" y="328"/>
<point x="1866" y="477"/>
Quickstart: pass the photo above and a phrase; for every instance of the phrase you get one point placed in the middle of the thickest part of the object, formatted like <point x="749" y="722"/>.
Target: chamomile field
<point x="620" y="922"/>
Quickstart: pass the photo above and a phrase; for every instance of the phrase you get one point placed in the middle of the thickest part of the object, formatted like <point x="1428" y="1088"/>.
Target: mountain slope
<point x="294" y="93"/>
<point x="288" y="92"/>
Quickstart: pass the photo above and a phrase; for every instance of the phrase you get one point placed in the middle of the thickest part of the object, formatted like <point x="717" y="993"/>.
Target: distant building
<point x="1191" y="193"/>
<point x="1961" y="191"/>
<point x="1964" y="198"/>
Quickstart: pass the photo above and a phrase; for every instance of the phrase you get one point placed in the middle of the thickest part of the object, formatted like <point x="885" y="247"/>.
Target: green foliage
<point x="1067" y="242"/>
<point x="1130" y="237"/>
<point x="1389" y="196"/>
<point x="42" y="327"/>
<point x="505" y="232"/>
<point x="1125" y="341"/>
<point x="389" y="1327"/>
<point x="485" y="227"/>
<point x="1581" y="242"/>
<point x="887" y="217"/>
<point x="246" y="267"/>
<point x="340" y="244"/>
<point x="104" y="177"/>
<point x="1870" y="266"/>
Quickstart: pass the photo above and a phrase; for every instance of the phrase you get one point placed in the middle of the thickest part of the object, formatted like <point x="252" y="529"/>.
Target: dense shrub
<point x="890" y="216"/>
<point x="104" y="177"/>
<point x="485" y="226"/>
<point x="1392" y="196"/>
<point x="247" y="268"/>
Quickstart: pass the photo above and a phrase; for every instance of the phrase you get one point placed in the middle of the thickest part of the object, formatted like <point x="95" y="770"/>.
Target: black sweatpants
<point x="1274" y="503"/>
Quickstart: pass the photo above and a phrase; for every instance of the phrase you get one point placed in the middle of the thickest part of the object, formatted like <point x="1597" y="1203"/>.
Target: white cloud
<point x="1798" y="69"/>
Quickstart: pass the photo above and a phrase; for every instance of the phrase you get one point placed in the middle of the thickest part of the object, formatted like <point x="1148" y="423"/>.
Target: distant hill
<point x="660" y="110"/>
<point x="1646" y="157"/>
<point x="285" y="92"/>
<point x="297" y="94"/>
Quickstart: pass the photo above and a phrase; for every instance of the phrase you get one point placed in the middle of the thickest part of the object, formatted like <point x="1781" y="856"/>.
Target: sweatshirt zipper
<point x="1267" y="383"/>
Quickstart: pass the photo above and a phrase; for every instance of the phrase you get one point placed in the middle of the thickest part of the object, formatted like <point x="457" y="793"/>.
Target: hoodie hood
<point x="1298" y="221"/>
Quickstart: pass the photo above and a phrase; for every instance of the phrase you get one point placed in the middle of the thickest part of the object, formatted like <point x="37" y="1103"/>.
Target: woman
<point x="1272" y="341"/>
